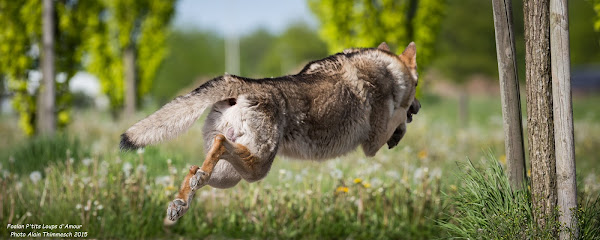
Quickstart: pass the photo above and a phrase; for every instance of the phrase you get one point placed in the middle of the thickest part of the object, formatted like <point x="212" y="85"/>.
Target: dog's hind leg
<point x="248" y="165"/>
<point x="196" y="178"/>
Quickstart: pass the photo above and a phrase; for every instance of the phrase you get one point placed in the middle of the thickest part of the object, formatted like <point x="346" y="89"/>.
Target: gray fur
<point x="360" y="97"/>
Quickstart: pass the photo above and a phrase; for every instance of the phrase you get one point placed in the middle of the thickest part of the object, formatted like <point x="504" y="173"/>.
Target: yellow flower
<point x="502" y="159"/>
<point x="170" y="187"/>
<point x="422" y="154"/>
<point x="341" y="189"/>
<point x="453" y="187"/>
<point x="357" y="180"/>
<point x="529" y="173"/>
<point x="366" y="185"/>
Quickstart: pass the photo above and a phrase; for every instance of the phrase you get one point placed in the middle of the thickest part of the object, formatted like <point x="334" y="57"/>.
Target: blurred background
<point x="116" y="61"/>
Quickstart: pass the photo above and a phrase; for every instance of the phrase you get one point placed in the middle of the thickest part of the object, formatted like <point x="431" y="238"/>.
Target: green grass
<point x="485" y="207"/>
<point x="413" y="191"/>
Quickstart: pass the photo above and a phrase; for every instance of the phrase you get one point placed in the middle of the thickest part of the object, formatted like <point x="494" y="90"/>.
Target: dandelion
<point x="162" y="180"/>
<point x="419" y="173"/>
<point x="86" y="180"/>
<point x="86" y="161"/>
<point x="529" y="172"/>
<point x="502" y="159"/>
<point x="141" y="168"/>
<point x="341" y="189"/>
<point x="140" y="151"/>
<point x="11" y="159"/>
<point x="453" y="187"/>
<point x="5" y="173"/>
<point x="78" y="206"/>
<point x="422" y="154"/>
<point x="376" y="181"/>
<point x="127" y="168"/>
<point x="169" y="161"/>
<point x="103" y="168"/>
<point x="357" y="180"/>
<point x="100" y="207"/>
<point x="436" y="173"/>
<point x="336" y="173"/>
<point x="366" y="185"/>
<point x="71" y="160"/>
<point x="173" y="170"/>
<point x="86" y="208"/>
<point x="393" y="174"/>
<point x="35" y="176"/>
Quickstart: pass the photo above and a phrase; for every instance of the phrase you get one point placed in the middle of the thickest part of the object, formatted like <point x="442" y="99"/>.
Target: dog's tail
<point x="178" y="115"/>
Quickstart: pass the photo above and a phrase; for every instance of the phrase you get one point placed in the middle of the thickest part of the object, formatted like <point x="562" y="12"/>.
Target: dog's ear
<point x="384" y="46"/>
<point x="409" y="56"/>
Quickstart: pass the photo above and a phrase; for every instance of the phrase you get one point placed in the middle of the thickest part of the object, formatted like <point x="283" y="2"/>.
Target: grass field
<point x="413" y="191"/>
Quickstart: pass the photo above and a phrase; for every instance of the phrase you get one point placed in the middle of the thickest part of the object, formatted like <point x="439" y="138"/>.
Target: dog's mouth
<point x="413" y="109"/>
<point x="401" y="130"/>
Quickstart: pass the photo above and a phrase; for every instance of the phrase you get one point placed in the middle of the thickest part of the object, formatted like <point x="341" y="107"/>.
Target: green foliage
<point x="290" y="51"/>
<point x="192" y="54"/>
<point x="365" y="23"/>
<point x="596" y="7"/>
<point x="20" y="52"/>
<point x="467" y="43"/>
<point x="141" y="25"/>
<point x="584" y="43"/>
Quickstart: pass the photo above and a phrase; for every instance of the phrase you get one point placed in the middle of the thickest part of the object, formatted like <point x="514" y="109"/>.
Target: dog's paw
<point x="176" y="209"/>
<point x="198" y="180"/>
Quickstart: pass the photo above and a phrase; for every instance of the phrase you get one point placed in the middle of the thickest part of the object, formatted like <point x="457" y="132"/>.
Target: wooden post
<point x="46" y="118"/>
<point x="509" y="90"/>
<point x="563" y="119"/>
<point x="540" y="123"/>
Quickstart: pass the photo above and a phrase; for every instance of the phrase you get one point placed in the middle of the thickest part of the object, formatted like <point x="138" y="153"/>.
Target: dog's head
<point x="408" y="81"/>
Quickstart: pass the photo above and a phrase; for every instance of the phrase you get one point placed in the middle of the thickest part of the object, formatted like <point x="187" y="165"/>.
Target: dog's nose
<point x="413" y="109"/>
<point x="415" y="106"/>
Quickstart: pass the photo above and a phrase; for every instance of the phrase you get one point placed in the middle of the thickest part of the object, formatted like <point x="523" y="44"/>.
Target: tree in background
<point x="367" y="23"/>
<point x="192" y="54"/>
<point x="596" y="6"/>
<point x="296" y="46"/>
<point x="20" y="44"/>
<point x="129" y="43"/>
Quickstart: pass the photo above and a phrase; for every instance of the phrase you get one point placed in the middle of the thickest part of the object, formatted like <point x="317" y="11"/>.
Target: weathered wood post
<point x="563" y="118"/>
<point x="509" y="90"/>
<point x="540" y="121"/>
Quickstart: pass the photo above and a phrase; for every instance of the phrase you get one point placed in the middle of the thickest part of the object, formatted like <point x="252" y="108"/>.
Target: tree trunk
<point x="539" y="110"/>
<point x="130" y="81"/>
<point x="509" y="89"/>
<point x="563" y="119"/>
<point x="46" y="119"/>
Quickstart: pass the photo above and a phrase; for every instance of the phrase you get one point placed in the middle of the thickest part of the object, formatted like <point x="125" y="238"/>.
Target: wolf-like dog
<point x="360" y="97"/>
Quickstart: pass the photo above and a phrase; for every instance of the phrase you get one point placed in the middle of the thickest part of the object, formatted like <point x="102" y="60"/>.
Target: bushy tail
<point x="178" y="115"/>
